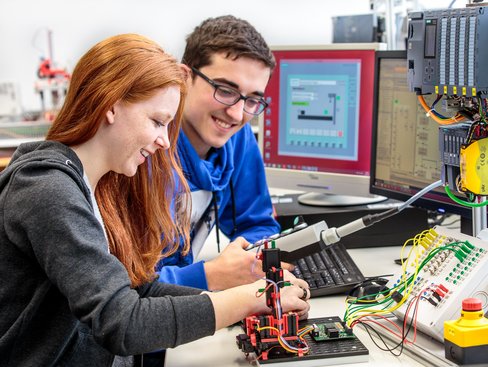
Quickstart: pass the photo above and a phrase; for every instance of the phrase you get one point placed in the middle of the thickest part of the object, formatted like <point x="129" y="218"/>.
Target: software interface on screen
<point x="319" y="105"/>
<point x="406" y="141"/>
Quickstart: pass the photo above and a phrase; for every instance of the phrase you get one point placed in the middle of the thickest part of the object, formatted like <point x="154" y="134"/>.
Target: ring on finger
<point x="305" y="294"/>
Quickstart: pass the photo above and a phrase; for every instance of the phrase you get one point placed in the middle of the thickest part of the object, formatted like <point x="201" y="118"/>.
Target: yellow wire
<point x="416" y="249"/>
<point x="268" y="328"/>
<point x="305" y="330"/>
<point x="279" y="338"/>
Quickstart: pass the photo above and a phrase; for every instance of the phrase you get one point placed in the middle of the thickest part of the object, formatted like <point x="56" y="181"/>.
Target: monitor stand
<point x="318" y="199"/>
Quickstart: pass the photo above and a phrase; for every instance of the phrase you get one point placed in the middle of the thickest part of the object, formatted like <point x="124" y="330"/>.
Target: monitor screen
<point x="405" y="154"/>
<point x="316" y="132"/>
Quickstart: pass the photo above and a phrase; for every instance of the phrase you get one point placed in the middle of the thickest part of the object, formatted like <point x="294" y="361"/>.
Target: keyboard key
<point x="339" y="262"/>
<point x="303" y="265"/>
<point x="297" y="272"/>
<point x="318" y="260"/>
<point x="311" y="283"/>
<point x="319" y="282"/>
<point x="326" y="277"/>
<point x="311" y="264"/>
<point x="328" y="262"/>
<point x="336" y="276"/>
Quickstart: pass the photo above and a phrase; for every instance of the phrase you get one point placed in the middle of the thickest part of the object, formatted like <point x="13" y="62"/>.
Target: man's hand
<point x="234" y="266"/>
<point x="287" y="266"/>
<point x="288" y="276"/>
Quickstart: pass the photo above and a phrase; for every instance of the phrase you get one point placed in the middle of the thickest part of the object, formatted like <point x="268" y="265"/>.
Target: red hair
<point x="136" y="210"/>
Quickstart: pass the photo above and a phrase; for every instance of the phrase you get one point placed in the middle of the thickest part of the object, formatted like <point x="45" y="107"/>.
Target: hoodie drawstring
<point x="234" y="230"/>
<point x="216" y="210"/>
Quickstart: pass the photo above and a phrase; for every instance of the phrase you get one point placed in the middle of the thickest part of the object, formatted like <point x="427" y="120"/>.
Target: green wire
<point x="463" y="202"/>
<point x="456" y="247"/>
<point x="480" y="109"/>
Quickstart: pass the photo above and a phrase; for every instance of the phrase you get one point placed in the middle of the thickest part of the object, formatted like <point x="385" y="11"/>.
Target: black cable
<point x="401" y="343"/>
<point x="367" y="327"/>
<point x="436" y="218"/>
<point x="373" y="218"/>
<point x="451" y="223"/>
<point x="466" y="114"/>
<point x="439" y="97"/>
<point x="412" y="318"/>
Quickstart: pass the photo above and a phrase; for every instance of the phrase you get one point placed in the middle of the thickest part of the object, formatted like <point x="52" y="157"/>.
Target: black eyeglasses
<point x="230" y="96"/>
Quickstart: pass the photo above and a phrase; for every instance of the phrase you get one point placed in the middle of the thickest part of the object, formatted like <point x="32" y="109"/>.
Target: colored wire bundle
<point x="425" y="249"/>
<point x="431" y="112"/>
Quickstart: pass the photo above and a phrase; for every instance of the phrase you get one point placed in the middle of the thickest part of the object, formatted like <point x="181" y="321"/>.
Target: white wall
<point x="78" y="24"/>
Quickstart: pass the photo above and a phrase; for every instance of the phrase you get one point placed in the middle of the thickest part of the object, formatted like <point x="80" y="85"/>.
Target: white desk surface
<point x="220" y="350"/>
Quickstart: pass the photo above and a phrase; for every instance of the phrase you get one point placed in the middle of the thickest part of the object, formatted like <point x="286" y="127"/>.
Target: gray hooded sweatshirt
<point x="64" y="299"/>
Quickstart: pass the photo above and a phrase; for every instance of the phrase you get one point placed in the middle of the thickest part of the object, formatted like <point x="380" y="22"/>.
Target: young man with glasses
<point x="229" y="65"/>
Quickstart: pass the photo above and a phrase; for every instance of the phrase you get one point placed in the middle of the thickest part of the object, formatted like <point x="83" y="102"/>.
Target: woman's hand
<point x="295" y="298"/>
<point x="234" y="304"/>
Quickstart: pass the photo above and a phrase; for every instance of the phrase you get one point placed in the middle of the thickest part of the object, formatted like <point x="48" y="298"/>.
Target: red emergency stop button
<point x="471" y="304"/>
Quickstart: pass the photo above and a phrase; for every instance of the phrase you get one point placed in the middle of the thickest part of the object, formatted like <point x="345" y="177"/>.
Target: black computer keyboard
<point x="330" y="271"/>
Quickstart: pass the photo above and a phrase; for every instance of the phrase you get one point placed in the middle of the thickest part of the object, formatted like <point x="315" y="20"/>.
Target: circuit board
<point x="328" y="331"/>
<point x="326" y="349"/>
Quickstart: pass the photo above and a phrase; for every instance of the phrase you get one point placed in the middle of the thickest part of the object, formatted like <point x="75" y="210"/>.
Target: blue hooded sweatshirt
<point x="231" y="179"/>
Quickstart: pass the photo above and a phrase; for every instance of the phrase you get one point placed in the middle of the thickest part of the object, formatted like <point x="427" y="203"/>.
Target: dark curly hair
<point x="229" y="35"/>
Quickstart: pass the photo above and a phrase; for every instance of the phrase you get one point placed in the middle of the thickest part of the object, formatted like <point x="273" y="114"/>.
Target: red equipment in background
<point x="52" y="84"/>
<point x="45" y="71"/>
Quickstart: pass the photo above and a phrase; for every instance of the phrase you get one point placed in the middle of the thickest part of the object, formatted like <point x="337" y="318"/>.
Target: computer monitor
<point x="316" y="133"/>
<point x="405" y="153"/>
